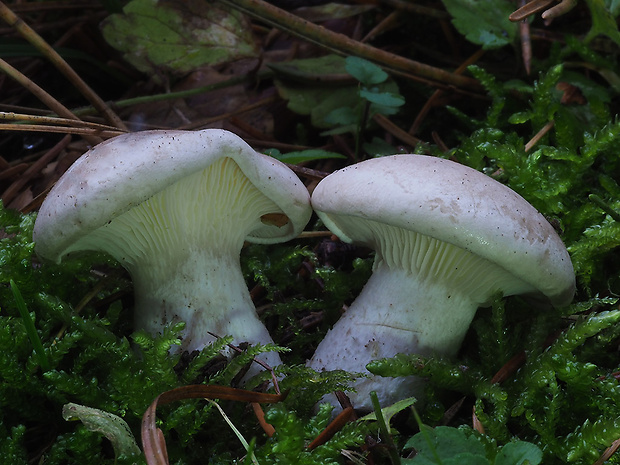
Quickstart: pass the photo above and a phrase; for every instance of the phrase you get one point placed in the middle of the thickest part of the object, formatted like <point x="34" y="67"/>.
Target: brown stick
<point x="341" y="44"/>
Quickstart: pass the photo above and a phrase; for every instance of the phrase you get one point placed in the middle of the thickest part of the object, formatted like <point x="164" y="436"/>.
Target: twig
<point x="389" y="22"/>
<point x="396" y="131"/>
<point x="12" y="116"/>
<point x="180" y="94"/>
<point x="260" y="416"/>
<point x="341" y="44"/>
<point x="42" y="95"/>
<point x="439" y="92"/>
<point x="529" y="9"/>
<point x="40" y="44"/>
<point x="314" y="234"/>
<point x="153" y="442"/>
<point x="562" y="8"/>
<point x="526" y="42"/>
<point x="538" y="5"/>
<point x="307" y="172"/>
<point x="94" y="134"/>
<point x="539" y="135"/>
<point x="205" y="121"/>
<point x="611" y="450"/>
<point x="347" y="415"/>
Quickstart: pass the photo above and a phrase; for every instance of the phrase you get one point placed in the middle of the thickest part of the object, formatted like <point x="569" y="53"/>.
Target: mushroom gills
<point x="429" y="259"/>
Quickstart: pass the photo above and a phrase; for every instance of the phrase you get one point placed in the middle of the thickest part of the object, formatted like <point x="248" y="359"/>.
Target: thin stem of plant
<point x="605" y="207"/>
<point x="179" y="94"/>
<point x="383" y="428"/>
<point x="235" y="430"/>
<point x="361" y="128"/>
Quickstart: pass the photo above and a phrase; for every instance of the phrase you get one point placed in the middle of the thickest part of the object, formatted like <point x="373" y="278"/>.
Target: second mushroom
<point x="447" y="239"/>
<point x="174" y="208"/>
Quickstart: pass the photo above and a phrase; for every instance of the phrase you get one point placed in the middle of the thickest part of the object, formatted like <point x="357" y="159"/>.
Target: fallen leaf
<point x="160" y="37"/>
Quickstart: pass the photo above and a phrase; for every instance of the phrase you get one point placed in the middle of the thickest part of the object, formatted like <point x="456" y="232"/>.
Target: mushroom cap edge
<point x="456" y="204"/>
<point x="124" y="171"/>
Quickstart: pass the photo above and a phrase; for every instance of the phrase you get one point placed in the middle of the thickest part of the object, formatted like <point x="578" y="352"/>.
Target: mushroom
<point x="448" y="239"/>
<point x="174" y="208"/>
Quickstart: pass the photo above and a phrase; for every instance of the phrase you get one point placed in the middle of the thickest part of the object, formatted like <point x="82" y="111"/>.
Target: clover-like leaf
<point x="365" y="71"/>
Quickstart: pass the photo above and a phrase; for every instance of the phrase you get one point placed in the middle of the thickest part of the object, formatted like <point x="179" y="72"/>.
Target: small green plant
<point x="373" y="100"/>
<point x="341" y="95"/>
<point x="444" y="445"/>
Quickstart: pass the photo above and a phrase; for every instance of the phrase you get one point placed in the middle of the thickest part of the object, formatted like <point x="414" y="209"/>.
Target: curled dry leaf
<point x="152" y="438"/>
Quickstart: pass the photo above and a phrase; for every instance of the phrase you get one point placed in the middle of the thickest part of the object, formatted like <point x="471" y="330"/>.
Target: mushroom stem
<point x="394" y="313"/>
<point x="208" y="292"/>
<point x="421" y="298"/>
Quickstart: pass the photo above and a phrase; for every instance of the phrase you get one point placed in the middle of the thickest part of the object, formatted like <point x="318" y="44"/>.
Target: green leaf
<point x="111" y="426"/>
<point x="446" y="445"/>
<point x="178" y="36"/>
<point x="483" y="22"/>
<point x="343" y="116"/>
<point x="387" y="99"/>
<point x="520" y="117"/>
<point x="365" y="71"/>
<point x="309" y="86"/>
<point x="30" y="328"/>
<point x="317" y="101"/>
<point x="391" y="410"/>
<point x="602" y="22"/>
<point x="518" y="453"/>
<point x="325" y="69"/>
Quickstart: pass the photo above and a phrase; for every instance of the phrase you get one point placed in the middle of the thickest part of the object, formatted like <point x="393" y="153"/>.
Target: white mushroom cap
<point x="455" y="204"/>
<point x="123" y="172"/>
<point x="448" y="239"/>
